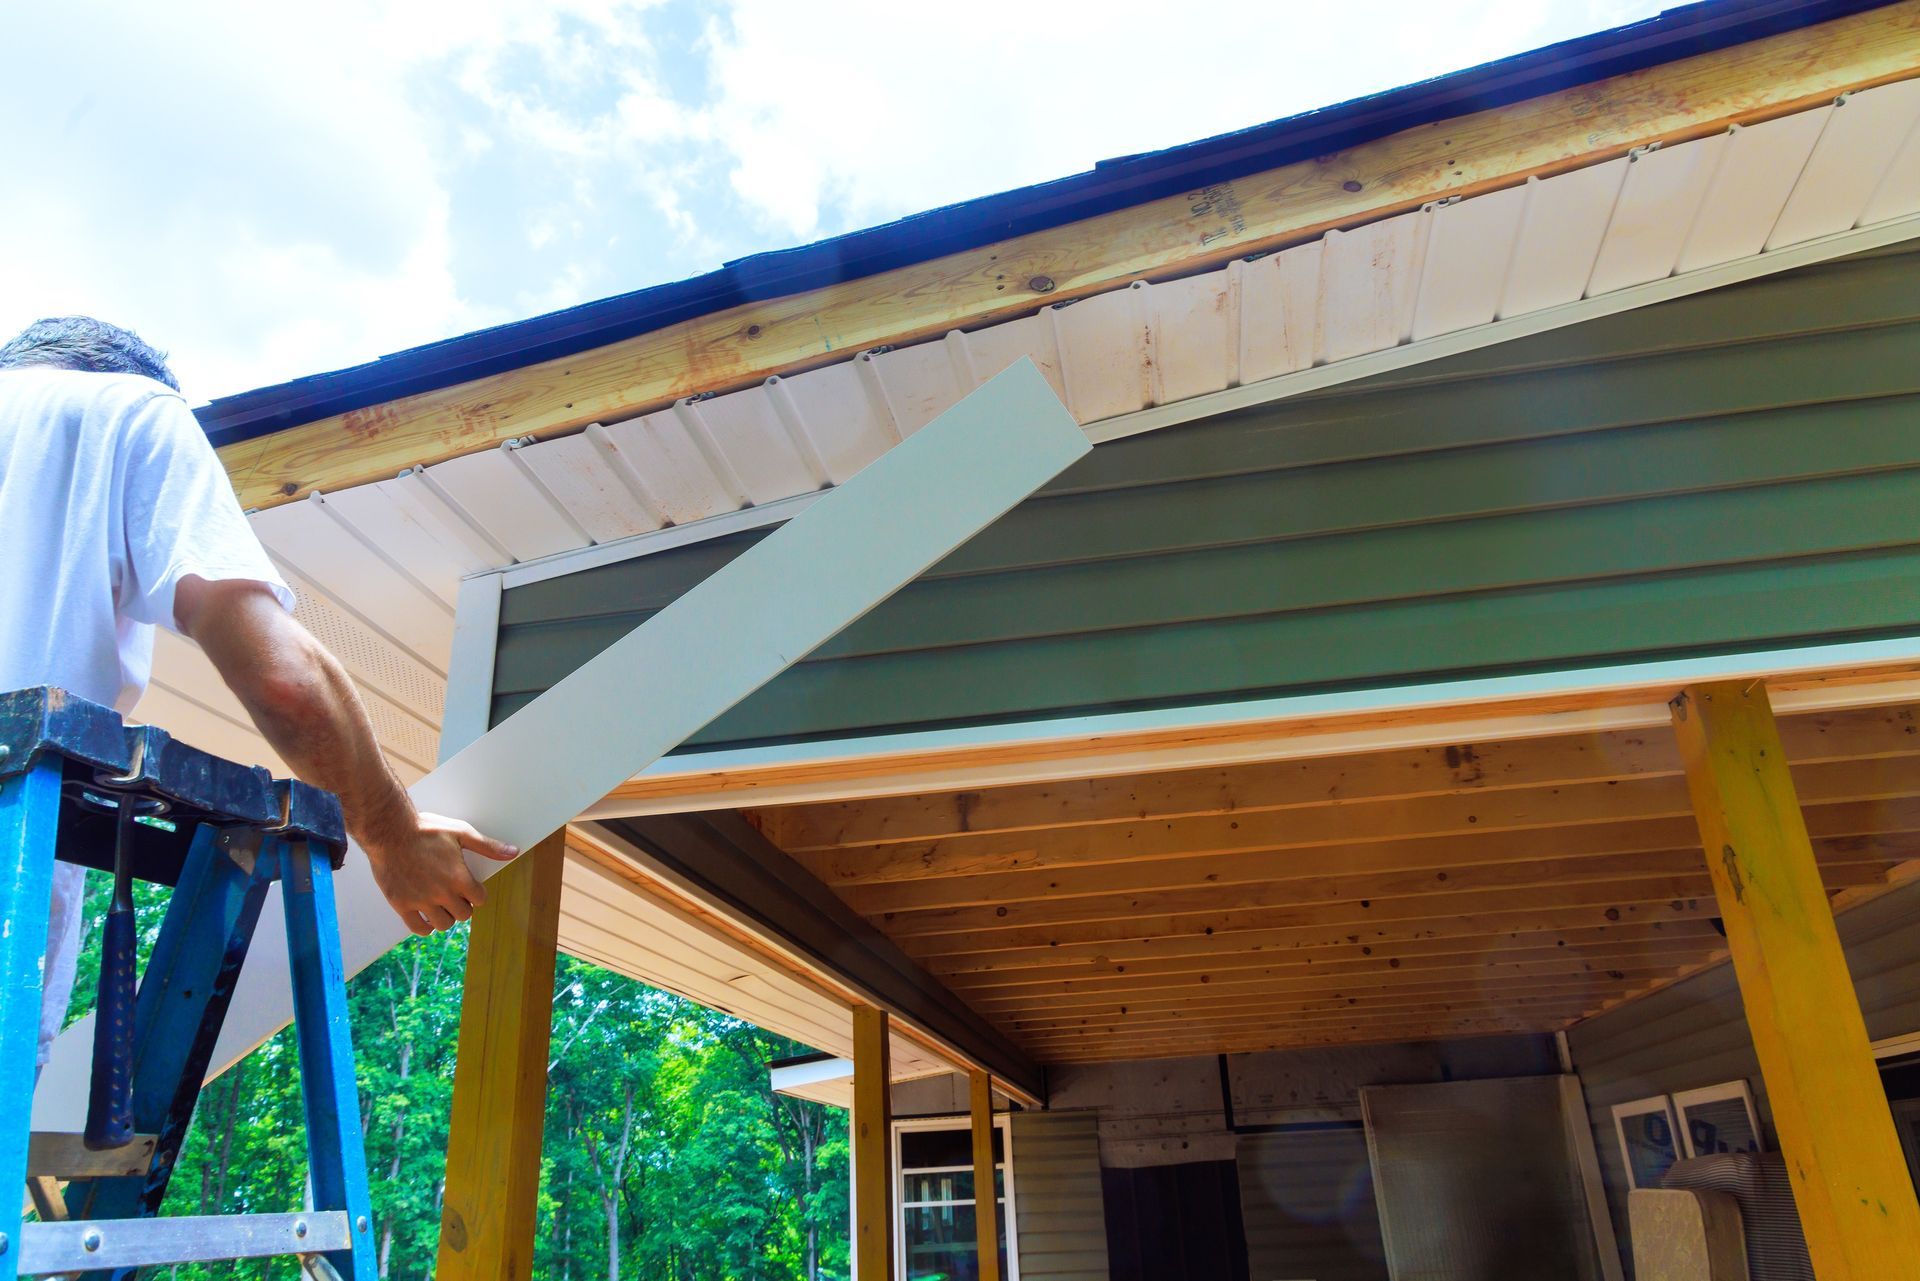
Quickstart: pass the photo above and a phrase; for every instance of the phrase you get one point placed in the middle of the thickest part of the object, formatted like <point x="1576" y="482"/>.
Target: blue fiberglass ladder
<point x="77" y="785"/>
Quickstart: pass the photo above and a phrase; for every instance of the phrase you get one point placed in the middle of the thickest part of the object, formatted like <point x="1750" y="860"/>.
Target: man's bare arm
<point x="305" y="705"/>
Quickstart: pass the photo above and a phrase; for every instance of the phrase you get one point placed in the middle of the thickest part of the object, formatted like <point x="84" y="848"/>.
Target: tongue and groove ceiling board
<point x="1481" y="887"/>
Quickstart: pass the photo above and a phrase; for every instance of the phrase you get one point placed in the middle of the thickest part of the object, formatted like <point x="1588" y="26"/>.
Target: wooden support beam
<point x="500" y="1077"/>
<point x="725" y="861"/>
<point x="1850" y="1180"/>
<point x="1175" y="235"/>
<point x="1465" y="769"/>
<point x="872" y="1147"/>
<point x="986" y="1219"/>
<point x="1115" y="751"/>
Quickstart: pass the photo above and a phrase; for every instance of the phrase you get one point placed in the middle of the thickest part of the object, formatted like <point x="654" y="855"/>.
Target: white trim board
<point x="645" y="694"/>
<point x="1111" y="758"/>
<point x="476" y="638"/>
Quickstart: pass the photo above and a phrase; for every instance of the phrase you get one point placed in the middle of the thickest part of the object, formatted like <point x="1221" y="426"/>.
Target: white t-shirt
<point x="110" y="494"/>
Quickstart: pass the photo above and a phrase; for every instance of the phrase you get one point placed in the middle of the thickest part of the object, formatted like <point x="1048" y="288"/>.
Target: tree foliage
<point x="667" y="1156"/>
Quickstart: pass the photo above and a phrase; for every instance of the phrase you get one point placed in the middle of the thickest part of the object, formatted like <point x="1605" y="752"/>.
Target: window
<point x="1900" y="1073"/>
<point x="935" y="1195"/>
<point x="1649" y="1139"/>
<point x="1719" y="1118"/>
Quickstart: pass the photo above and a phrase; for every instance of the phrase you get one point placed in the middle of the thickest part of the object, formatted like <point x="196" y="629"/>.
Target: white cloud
<point x="881" y="108"/>
<point x="260" y="189"/>
<point x="270" y="191"/>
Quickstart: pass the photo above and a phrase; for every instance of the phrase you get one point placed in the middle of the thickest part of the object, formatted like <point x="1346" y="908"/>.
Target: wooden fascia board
<point x="721" y="858"/>
<point x="1109" y="753"/>
<point x="1690" y="98"/>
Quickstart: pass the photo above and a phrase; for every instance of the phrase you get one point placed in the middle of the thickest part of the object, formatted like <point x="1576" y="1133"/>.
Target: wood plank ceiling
<point x="1480" y="888"/>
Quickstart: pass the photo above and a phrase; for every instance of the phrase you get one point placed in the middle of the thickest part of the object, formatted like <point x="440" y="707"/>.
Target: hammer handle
<point x="110" y="1098"/>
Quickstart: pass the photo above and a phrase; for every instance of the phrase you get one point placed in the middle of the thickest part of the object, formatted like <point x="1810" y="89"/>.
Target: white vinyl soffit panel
<point x="665" y="680"/>
<point x="1449" y="277"/>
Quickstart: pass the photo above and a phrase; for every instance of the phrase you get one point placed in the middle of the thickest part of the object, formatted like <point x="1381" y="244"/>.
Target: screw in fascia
<point x="4" y="1243"/>
<point x="90" y="1241"/>
<point x="300" y="1229"/>
<point x="360" y="1224"/>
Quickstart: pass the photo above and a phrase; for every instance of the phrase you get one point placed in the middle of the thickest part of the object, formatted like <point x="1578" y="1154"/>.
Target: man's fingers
<point x="459" y="909"/>
<point x="437" y="917"/>
<point x="413" y="922"/>
<point x="471" y="839"/>
<point x="499" y="851"/>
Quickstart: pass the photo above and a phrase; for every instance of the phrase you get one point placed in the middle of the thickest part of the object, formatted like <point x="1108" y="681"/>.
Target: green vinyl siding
<point x="1733" y="471"/>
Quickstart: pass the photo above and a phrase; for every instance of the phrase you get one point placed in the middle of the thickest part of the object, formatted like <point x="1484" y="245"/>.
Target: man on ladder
<point x="116" y="517"/>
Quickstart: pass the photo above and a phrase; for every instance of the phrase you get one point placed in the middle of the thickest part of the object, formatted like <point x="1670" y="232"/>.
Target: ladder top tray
<point x="102" y="757"/>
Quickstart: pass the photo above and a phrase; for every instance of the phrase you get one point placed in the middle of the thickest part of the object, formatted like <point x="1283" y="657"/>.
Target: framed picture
<point x="1719" y="1118"/>
<point x="1649" y="1139"/>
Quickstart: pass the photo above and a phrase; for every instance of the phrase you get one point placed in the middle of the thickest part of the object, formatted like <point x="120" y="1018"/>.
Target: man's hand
<point x="305" y="704"/>
<point x="425" y="876"/>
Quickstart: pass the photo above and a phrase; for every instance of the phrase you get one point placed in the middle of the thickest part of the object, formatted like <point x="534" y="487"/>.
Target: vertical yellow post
<point x="1850" y="1182"/>
<point x="985" y="1218"/>
<point x="872" y="1147"/>
<point x="500" y="1075"/>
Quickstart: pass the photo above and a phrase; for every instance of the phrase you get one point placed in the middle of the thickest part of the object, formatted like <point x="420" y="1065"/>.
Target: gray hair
<point x="81" y="342"/>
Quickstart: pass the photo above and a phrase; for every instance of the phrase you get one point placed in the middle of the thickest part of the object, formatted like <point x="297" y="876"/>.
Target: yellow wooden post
<point x="1850" y="1182"/>
<point x="872" y="1147"/>
<point x="500" y="1077"/>
<point x="985" y="1217"/>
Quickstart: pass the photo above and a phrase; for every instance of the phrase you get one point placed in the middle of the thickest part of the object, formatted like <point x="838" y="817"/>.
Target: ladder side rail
<point x="336" y="1150"/>
<point x="182" y="1001"/>
<point x="29" y="827"/>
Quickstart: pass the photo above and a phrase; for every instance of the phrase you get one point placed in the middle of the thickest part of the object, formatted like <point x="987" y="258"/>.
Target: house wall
<point x="1694" y="1033"/>
<point x="1306" y="1196"/>
<point x="1287" y="1122"/>
<point x="1729" y="471"/>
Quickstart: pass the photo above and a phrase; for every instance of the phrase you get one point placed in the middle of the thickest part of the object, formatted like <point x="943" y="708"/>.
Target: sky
<point x="267" y="191"/>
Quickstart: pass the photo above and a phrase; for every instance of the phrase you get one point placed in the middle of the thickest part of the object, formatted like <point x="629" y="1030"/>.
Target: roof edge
<point x="1110" y="186"/>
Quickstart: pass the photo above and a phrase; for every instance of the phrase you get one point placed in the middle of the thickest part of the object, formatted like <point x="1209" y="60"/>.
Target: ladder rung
<point x="138" y="1243"/>
<point x="59" y="1155"/>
